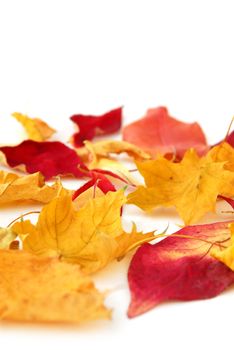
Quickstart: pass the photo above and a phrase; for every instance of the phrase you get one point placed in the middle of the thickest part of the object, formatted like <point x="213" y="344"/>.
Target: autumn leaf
<point x="191" y="186"/>
<point x="34" y="289"/>
<point x="180" y="267"/>
<point x="108" y="166"/>
<point x="108" y="147"/>
<point x="98" y="181"/>
<point x="223" y="153"/>
<point x="90" y="126"/>
<point x="7" y="236"/>
<point x="36" y="129"/>
<point x="226" y="254"/>
<point x="15" y="188"/>
<point x="50" y="158"/>
<point x="91" y="236"/>
<point x="158" y="133"/>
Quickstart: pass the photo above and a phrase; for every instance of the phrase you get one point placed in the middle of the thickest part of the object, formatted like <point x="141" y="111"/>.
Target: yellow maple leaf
<point x="191" y="186"/>
<point x="7" y="236"/>
<point x="23" y="188"/>
<point x="35" y="289"/>
<point x="223" y="153"/>
<point x="226" y="255"/>
<point x="91" y="236"/>
<point x="35" y="128"/>
<point x="83" y="198"/>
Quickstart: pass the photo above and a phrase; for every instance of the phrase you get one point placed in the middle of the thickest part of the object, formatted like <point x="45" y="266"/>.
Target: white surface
<point x="58" y="58"/>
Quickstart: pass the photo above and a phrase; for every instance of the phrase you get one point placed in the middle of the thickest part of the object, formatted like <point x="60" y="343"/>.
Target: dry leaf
<point x="106" y="148"/>
<point x="90" y="126"/>
<point x="90" y="237"/>
<point x="50" y="158"/>
<point x="23" y="188"/>
<point x="159" y="133"/>
<point x="36" y="129"/>
<point x="179" y="267"/>
<point x="34" y="289"/>
<point x="7" y="236"/>
<point x="192" y="185"/>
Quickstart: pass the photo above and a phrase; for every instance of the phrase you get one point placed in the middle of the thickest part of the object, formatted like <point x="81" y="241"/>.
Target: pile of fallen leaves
<point x="46" y="267"/>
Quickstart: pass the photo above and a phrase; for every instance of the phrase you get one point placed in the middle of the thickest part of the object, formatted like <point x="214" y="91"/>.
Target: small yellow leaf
<point x="23" y="228"/>
<point x="23" y="188"/>
<point x="34" y="289"/>
<point x="192" y="185"/>
<point x="35" y="128"/>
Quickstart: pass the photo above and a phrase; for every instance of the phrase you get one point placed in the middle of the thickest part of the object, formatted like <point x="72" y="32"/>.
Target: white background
<point x="58" y="58"/>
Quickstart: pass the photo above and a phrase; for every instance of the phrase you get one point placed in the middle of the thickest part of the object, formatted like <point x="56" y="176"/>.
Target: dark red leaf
<point x="50" y="158"/>
<point x="158" y="132"/>
<point x="90" y="126"/>
<point x="178" y="268"/>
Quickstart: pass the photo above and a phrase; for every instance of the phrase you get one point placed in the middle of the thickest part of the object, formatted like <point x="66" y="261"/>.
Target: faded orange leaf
<point x="23" y="188"/>
<point x="35" y="128"/>
<point x="35" y="289"/>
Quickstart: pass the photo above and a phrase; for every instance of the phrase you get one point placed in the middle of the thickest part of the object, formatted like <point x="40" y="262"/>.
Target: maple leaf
<point x="192" y="185"/>
<point x="179" y="267"/>
<point x="223" y="153"/>
<point x="35" y="289"/>
<point x="50" y="158"/>
<point x="107" y="166"/>
<point x="7" y="236"/>
<point x="159" y="133"/>
<point x="90" y="126"/>
<point x="108" y="147"/>
<point x="23" y="188"/>
<point x="91" y="236"/>
<point x="35" y="128"/>
<point x="226" y="254"/>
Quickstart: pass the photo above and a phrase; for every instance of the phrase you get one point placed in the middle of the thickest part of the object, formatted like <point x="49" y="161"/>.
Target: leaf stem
<point x="21" y="216"/>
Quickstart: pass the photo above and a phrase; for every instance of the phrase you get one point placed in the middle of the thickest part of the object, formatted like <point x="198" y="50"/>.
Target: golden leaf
<point x="223" y="153"/>
<point x="90" y="237"/>
<point x="23" y="188"/>
<point x="35" y="289"/>
<point x="192" y="185"/>
<point x="35" y="128"/>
